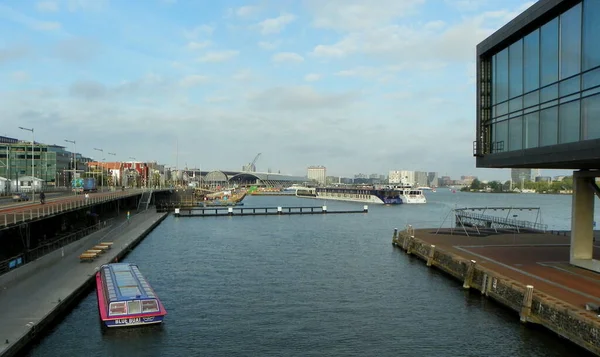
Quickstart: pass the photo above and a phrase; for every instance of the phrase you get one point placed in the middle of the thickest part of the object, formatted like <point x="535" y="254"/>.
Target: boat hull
<point x="134" y="321"/>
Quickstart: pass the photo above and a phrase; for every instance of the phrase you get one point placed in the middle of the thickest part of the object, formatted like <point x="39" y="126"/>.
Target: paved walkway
<point x="538" y="259"/>
<point x="27" y="302"/>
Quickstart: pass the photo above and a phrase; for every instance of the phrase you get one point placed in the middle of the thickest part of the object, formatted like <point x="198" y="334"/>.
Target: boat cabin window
<point x="149" y="306"/>
<point x="134" y="307"/>
<point x="117" y="308"/>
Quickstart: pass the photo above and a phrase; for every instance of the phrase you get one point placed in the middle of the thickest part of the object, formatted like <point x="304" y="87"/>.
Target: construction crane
<point x="251" y="167"/>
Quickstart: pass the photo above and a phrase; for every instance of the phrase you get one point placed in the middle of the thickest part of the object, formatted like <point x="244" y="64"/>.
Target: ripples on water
<point x="306" y="286"/>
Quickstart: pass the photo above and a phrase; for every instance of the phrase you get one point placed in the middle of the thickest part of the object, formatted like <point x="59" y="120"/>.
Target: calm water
<point x="310" y="286"/>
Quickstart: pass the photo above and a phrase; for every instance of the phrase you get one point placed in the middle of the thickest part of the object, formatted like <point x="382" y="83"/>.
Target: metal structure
<point x="476" y="217"/>
<point x="251" y="167"/>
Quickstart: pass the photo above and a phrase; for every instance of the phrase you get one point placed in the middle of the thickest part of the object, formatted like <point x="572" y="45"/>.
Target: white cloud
<point x="246" y="11"/>
<point x="347" y="15"/>
<point x="244" y="75"/>
<point x="287" y="57"/>
<point x="219" y="56"/>
<point x="266" y="45"/>
<point x="195" y="45"/>
<point x="302" y="98"/>
<point x="20" y="76"/>
<point x="276" y="24"/>
<point x="312" y="77"/>
<point x="196" y="32"/>
<point x="15" y="16"/>
<point x="47" y="6"/>
<point x="193" y="80"/>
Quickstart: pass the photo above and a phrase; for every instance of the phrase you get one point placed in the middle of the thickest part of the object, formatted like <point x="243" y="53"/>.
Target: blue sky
<point x="357" y="86"/>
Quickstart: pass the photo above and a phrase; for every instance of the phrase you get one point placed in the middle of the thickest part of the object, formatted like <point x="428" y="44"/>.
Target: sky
<point x="356" y="86"/>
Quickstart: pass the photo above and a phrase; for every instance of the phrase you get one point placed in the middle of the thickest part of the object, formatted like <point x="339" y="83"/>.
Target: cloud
<point x="194" y="45"/>
<point x="198" y="31"/>
<point x="219" y="56"/>
<point x="246" y="11"/>
<point x="287" y="57"/>
<point x="47" y="6"/>
<point x="20" y="76"/>
<point x="312" y="77"/>
<point x="76" y="49"/>
<point x="266" y="45"/>
<point x="301" y="98"/>
<point x="87" y="89"/>
<point x="349" y="15"/>
<point x="193" y="80"/>
<point x="244" y="75"/>
<point x="13" y="53"/>
<point x="10" y="14"/>
<point x="276" y="24"/>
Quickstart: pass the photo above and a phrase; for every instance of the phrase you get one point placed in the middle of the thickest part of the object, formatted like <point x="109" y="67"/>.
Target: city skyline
<point x="295" y="82"/>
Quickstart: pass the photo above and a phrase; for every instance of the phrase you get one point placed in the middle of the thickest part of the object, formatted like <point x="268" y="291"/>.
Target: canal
<point x="310" y="285"/>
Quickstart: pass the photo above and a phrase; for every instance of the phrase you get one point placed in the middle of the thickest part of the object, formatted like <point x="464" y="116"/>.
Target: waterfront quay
<point x="527" y="272"/>
<point x="40" y="292"/>
<point x="261" y="211"/>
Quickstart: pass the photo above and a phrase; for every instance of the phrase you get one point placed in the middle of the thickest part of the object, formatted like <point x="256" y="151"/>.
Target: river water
<point x="314" y="285"/>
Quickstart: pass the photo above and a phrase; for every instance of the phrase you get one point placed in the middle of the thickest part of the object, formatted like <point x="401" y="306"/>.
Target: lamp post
<point x="112" y="176"/>
<point x="74" y="160"/>
<point x="32" y="157"/>
<point x="101" y="171"/>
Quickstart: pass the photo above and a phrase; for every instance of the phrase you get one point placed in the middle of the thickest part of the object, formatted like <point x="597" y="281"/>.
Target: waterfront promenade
<point x="32" y="303"/>
<point x="528" y="272"/>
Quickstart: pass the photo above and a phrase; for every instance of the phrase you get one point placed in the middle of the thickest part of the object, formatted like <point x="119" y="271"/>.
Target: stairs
<point x="145" y="200"/>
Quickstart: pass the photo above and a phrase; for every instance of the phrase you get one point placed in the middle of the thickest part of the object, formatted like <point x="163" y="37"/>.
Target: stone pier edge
<point x="568" y="321"/>
<point x="66" y="305"/>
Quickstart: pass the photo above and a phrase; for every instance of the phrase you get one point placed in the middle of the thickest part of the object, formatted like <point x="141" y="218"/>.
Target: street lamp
<point x="101" y="171"/>
<point x="32" y="157"/>
<point x="74" y="159"/>
<point x="112" y="176"/>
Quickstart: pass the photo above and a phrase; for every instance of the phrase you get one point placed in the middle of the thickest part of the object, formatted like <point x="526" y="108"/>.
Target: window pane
<point x="531" y="58"/>
<point x="549" y="93"/>
<point x="515" y="129"/>
<point x="549" y="126"/>
<point x="502" y="75"/>
<point x="502" y="109"/>
<point x="590" y="115"/>
<point x="531" y="99"/>
<point x="568" y="118"/>
<point x="549" y="52"/>
<point x="532" y="130"/>
<point x="591" y="29"/>
<point x="515" y="60"/>
<point x="570" y="42"/>
<point x="494" y="99"/>
<point x="515" y="104"/>
<point x="591" y="79"/>
<point x="502" y="135"/>
<point x="569" y="86"/>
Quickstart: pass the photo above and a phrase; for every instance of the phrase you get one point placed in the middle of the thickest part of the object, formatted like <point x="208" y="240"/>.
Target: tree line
<point x="566" y="184"/>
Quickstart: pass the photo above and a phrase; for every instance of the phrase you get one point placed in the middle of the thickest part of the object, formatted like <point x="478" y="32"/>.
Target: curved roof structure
<point x="268" y="179"/>
<point x="216" y="176"/>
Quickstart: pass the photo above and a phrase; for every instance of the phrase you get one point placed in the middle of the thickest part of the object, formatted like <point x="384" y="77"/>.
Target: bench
<point x="101" y="247"/>
<point x="106" y="244"/>
<point x="97" y="251"/>
<point x="87" y="257"/>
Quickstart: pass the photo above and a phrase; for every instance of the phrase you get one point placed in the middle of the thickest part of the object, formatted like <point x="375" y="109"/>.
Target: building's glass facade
<point x="15" y="162"/>
<point x="545" y="87"/>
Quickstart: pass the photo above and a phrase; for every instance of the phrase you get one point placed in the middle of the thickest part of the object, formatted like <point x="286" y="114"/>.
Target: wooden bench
<point x="100" y="247"/>
<point x="108" y="245"/>
<point x="87" y="257"/>
<point x="97" y="251"/>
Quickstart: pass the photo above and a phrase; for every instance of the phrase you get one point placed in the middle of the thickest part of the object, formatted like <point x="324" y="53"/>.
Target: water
<point x="310" y="286"/>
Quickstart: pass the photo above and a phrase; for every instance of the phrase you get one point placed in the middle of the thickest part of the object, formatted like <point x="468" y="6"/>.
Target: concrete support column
<point x="469" y="275"/>
<point x="430" y="255"/>
<point x="582" y="217"/>
<point x="526" y="305"/>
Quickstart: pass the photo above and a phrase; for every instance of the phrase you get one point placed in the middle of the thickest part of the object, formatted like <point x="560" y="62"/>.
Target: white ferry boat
<point x="389" y="195"/>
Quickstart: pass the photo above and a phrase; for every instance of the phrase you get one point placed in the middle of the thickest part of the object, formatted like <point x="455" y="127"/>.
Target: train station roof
<point x="268" y="178"/>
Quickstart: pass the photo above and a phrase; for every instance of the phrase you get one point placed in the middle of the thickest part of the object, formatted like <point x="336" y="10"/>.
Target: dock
<point x="529" y="272"/>
<point x="40" y="292"/>
<point x="259" y="211"/>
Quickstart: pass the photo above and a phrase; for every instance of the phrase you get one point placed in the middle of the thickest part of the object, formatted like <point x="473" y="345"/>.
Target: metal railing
<point x="482" y="220"/>
<point x="36" y="253"/>
<point x="63" y="204"/>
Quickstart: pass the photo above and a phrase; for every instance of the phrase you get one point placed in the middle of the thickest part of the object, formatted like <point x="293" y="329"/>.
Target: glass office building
<point x="15" y="162"/>
<point x="539" y="89"/>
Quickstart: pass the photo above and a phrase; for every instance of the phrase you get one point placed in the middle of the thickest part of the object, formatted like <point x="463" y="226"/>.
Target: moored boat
<point x="125" y="298"/>
<point x="387" y="195"/>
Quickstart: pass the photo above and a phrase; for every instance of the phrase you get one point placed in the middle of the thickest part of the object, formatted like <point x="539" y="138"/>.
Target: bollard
<point x="365" y="208"/>
<point x="469" y="275"/>
<point x="526" y="306"/>
<point x="324" y="209"/>
<point x="409" y="245"/>
<point x="279" y="209"/>
<point x="395" y="236"/>
<point x="430" y="256"/>
<point x="230" y="211"/>
<point x="484" y="284"/>
<point x="177" y="211"/>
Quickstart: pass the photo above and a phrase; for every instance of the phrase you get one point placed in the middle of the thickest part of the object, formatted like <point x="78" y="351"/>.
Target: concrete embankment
<point x="42" y="294"/>
<point x="546" y="305"/>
